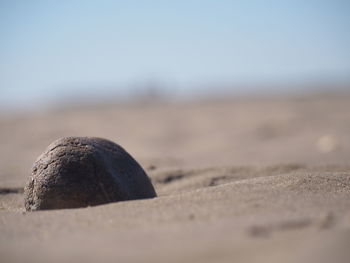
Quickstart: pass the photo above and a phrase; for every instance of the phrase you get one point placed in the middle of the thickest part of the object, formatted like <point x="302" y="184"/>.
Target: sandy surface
<point x="239" y="180"/>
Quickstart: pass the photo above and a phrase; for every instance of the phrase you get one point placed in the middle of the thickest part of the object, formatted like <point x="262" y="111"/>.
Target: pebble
<point x="327" y="143"/>
<point x="85" y="171"/>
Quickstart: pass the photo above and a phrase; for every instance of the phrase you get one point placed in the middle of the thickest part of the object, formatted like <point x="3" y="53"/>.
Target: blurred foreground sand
<point x="240" y="179"/>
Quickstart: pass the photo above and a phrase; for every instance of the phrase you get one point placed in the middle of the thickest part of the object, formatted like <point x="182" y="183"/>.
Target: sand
<point x="238" y="180"/>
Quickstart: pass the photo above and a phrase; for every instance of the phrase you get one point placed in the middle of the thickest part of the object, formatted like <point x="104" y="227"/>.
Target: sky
<point x="51" y="50"/>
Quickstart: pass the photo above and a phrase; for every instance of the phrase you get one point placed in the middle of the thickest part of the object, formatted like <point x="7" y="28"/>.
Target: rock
<point x="327" y="143"/>
<point x="81" y="171"/>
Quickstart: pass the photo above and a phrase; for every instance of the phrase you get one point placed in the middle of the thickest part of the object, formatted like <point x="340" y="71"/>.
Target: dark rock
<point x="81" y="171"/>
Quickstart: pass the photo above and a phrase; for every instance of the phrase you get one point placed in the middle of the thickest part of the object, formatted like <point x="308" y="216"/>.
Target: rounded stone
<point x="82" y="171"/>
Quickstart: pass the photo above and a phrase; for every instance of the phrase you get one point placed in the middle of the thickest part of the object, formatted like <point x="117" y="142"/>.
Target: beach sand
<point x="249" y="179"/>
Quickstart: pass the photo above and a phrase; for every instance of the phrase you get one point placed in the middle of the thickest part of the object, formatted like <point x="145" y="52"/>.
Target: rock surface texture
<point x="81" y="171"/>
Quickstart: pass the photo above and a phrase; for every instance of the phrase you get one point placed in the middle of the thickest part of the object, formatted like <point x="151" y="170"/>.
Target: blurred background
<point x="55" y="52"/>
<point x="177" y="83"/>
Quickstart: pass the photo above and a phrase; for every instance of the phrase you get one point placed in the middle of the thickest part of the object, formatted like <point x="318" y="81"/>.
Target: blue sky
<point x="50" y="49"/>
